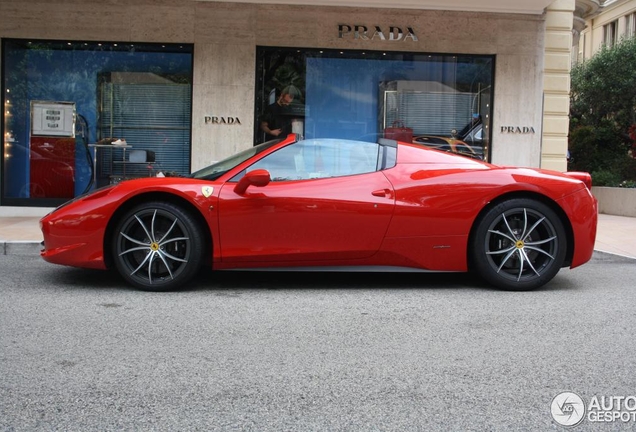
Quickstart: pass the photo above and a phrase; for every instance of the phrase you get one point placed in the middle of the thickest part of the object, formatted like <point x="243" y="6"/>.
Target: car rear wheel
<point x="158" y="246"/>
<point x="519" y="244"/>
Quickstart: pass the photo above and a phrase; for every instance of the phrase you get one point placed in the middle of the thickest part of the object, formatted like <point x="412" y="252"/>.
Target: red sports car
<point x="332" y="204"/>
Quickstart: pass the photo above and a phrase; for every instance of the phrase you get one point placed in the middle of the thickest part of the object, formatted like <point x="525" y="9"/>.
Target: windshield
<point x="217" y="169"/>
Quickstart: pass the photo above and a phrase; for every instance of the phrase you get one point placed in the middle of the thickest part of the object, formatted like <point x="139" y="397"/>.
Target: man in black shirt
<point x="276" y="121"/>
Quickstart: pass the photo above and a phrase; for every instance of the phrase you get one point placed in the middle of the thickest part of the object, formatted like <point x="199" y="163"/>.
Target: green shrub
<point x="596" y="149"/>
<point x="628" y="171"/>
<point x="605" y="178"/>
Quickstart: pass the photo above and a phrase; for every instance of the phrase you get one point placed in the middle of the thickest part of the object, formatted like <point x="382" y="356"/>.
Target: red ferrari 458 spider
<point x="332" y="204"/>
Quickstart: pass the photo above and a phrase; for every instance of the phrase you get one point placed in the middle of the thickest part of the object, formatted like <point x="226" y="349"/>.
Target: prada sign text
<point x="363" y="32"/>
<point x="222" y="120"/>
<point x="524" y="130"/>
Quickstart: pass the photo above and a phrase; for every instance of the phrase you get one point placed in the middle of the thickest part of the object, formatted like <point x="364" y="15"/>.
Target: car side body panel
<point x="319" y="219"/>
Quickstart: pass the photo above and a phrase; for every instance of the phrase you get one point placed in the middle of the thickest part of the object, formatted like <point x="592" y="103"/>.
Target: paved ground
<point x="80" y="351"/>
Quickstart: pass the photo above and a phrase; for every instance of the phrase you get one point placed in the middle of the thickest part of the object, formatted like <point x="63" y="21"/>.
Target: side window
<point x="283" y="165"/>
<point x="363" y="157"/>
<point x="320" y="158"/>
<point x="387" y="157"/>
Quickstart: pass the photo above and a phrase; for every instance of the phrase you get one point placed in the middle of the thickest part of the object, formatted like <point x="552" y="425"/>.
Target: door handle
<point x="382" y="193"/>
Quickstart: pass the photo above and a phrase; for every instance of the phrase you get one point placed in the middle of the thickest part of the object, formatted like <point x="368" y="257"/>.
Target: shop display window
<point x="65" y="102"/>
<point x="439" y="100"/>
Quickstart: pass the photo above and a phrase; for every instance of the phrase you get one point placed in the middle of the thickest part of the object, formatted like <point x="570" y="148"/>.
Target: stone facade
<point x="556" y="85"/>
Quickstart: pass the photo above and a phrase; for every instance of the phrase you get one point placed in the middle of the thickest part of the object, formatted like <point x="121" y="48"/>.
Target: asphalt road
<point x="79" y="351"/>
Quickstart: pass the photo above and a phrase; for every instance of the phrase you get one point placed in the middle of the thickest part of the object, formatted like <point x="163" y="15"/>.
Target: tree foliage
<point x="603" y="109"/>
<point x="604" y="87"/>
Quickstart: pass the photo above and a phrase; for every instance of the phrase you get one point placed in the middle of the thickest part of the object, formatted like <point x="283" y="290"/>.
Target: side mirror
<point x="258" y="178"/>
<point x="453" y="133"/>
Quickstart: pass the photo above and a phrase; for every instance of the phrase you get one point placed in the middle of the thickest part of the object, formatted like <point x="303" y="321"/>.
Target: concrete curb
<point x="613" y="256"/>
<point x="22" y="247"/>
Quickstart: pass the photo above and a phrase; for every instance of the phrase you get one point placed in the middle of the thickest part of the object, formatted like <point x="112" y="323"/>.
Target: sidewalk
<point x="20" y="235"/>
<point x="616" y="235"/>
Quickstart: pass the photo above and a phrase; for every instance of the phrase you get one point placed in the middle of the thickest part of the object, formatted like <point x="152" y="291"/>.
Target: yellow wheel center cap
<point x="519" y="244"/>
<point x="154" y="246"/>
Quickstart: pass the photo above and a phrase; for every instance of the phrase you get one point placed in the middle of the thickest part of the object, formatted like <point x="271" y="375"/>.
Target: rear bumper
<point x="582" y="210"/>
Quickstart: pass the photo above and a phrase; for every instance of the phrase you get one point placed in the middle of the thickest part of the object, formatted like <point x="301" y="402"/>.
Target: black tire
<point x="158" y="246"/>
<point x="519" y="244"/>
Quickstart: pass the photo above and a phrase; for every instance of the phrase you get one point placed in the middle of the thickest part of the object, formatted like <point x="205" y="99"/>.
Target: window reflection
<point x="137" y="93"/>
<point x="411" y="97"/>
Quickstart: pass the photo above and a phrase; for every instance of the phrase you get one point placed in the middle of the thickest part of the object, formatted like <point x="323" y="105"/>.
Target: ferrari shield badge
<point x="207" y="191"/>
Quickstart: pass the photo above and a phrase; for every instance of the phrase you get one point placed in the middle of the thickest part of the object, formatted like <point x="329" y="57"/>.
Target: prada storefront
<point x="186" y="83"/>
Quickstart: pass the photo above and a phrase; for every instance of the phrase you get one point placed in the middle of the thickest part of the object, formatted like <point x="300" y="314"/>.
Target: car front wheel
<point x="157" y="246"/>
<point x="519" y="244"/>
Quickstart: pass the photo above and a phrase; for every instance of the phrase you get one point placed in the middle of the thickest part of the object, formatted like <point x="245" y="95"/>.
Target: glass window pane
<point x="137" y="93"/>
<point x="365" y="95"/>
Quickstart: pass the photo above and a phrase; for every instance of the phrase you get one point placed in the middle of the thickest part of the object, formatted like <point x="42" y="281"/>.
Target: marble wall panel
<point x="518" y="102"/>
<point x="213" y="142"/>
<point x="53" y="20"/>
<point x="224" y="64"/>
<point x="162" y="23"/>
<point x="229" y="23"/>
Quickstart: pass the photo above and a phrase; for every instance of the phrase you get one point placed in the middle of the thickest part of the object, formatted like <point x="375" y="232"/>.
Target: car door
<point x="322" y="204"/>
